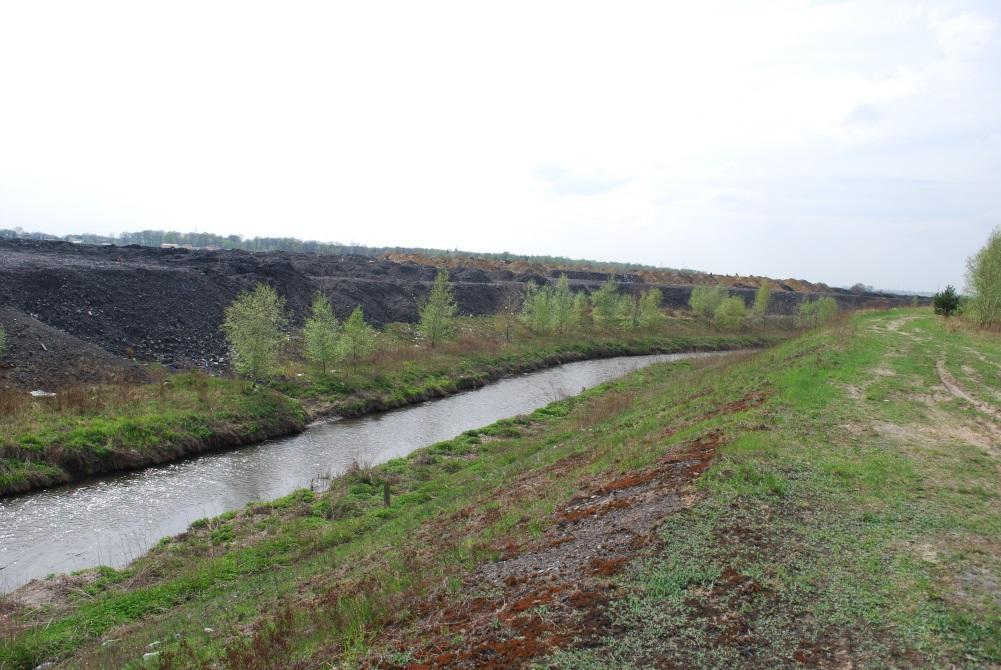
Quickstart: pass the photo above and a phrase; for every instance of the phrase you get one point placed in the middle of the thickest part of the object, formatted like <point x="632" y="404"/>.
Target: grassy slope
<point x="860" y="500"/>
<point x="134" y="427"/>
<point x="865" y="512"/>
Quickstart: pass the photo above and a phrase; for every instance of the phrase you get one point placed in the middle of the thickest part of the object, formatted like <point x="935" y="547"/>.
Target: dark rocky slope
<point x="166" y="304"/>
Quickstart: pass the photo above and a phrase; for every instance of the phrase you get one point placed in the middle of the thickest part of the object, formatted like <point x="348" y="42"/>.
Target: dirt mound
<point x="166" y="305"/>
<point x="45" y="358"/>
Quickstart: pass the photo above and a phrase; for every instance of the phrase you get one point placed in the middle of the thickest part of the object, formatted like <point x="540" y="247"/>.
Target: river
<point x="112" y="520"/>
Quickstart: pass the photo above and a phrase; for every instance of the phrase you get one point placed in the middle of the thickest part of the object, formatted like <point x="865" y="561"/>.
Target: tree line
<point x="156" y="238"/>
<point x="256" y="323"/>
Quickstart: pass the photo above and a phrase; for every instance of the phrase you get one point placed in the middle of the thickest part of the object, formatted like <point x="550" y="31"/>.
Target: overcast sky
<point x="831" y="141"/>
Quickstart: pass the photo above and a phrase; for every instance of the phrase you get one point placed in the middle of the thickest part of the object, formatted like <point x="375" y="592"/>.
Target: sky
<point x="831" y="141"/>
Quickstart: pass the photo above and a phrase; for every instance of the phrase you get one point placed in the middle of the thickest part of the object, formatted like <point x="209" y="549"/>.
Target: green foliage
<point x="438" y="311"/>
<point x="552" y="309"/>
<point x="730" y="313"/>
<point x="606" y="306"/>
<point x="564" y="314"/>
<point x="581" y="308"/>
<point x="321" y="334"/>
<point x="705" y="299"/>
<point x="538" y="311"/>
<point x="507" y="314"/>
<point x="628" y="310"/>
<point x="649" y="312"/>
<point x="254" y="326"/>
<point x="3" y="341"/>
<point x="984" y="282"/>
<point x="358" y="339"/>
<point x="762" y="300"/>
<point x="834" y="523"/>
<point x="817" y="312"/>
<point x="946" y="302"/>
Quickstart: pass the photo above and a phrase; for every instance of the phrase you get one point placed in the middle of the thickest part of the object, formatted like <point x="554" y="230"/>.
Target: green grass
<point x="859" y="500"/>
<point x="114" y="428"/>
<point x="92" y="430"/>
<point x="857" y="513"/>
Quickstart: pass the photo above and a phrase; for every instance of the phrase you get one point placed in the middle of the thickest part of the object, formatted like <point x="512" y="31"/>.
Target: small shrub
<point x="946" y="302"/>
<point x="706" y="299"/>
<point x="730" y="314"/>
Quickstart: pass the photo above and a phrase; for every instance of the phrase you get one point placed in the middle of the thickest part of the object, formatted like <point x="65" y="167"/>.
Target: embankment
<point x="823" y="503"/>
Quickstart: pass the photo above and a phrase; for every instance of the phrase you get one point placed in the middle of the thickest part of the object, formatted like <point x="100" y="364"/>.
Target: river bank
<point x="827" y="502"/>
<point x="100" y="430"/>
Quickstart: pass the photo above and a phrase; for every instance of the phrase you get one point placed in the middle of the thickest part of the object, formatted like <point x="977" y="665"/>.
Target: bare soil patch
<point x="553" y="591"/>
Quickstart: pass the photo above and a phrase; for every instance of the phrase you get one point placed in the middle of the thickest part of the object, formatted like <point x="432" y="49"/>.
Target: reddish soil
<point x="553" y="591"/>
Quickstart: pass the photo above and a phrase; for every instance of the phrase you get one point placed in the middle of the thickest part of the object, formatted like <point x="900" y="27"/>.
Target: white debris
<point x="42" y="394"/>
<point x="153" y="644"/>
<point x="209" y="630"/>
<point x="150" y="654"/>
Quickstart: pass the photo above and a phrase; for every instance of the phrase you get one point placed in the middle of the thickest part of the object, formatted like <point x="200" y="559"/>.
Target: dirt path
<point x="955" y="389"/>
<point x="552" y="592"/>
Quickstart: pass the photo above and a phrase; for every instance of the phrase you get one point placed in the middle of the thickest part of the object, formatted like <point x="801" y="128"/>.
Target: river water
<point x="114" y="519"/>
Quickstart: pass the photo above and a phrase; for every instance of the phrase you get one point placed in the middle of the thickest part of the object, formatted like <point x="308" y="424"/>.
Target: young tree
<point x="816" y="312"/>
<point x="946" y="302"/>
<point x="628" y="311"/>
<point x="827" y="309"/>
<point x="254" y="326"/>
<point x="507" y="315"/>
<point x="320" y="335"/>
<point x="650" y="313"/>
<point x="581" y="308"/>
<point x="538" y="311"/>
<point x="563" y="306"/>
<point x="605" y="305"/>
<point x="438" y="310"/>
<point x="705" y="299"/>
<point x="762" y="300"/>
<point x="357" y="340"/>
<point x="730" y="313"/>
<point x="983" y="280"/>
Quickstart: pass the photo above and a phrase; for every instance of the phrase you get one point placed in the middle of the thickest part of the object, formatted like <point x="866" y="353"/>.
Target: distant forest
<point x="156" y="238"/>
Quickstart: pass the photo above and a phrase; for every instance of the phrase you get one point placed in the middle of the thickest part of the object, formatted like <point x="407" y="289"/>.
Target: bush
<point x="705" y="299"/>
<point x="946" y="302"/>
<point x="538" y="310"/>
<point x="553" y="309"/>
<point x="606" y="306"/>
<point x="650" y="313"/>
<point x="816" y="312"/>
<point x="730" y="314"/>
